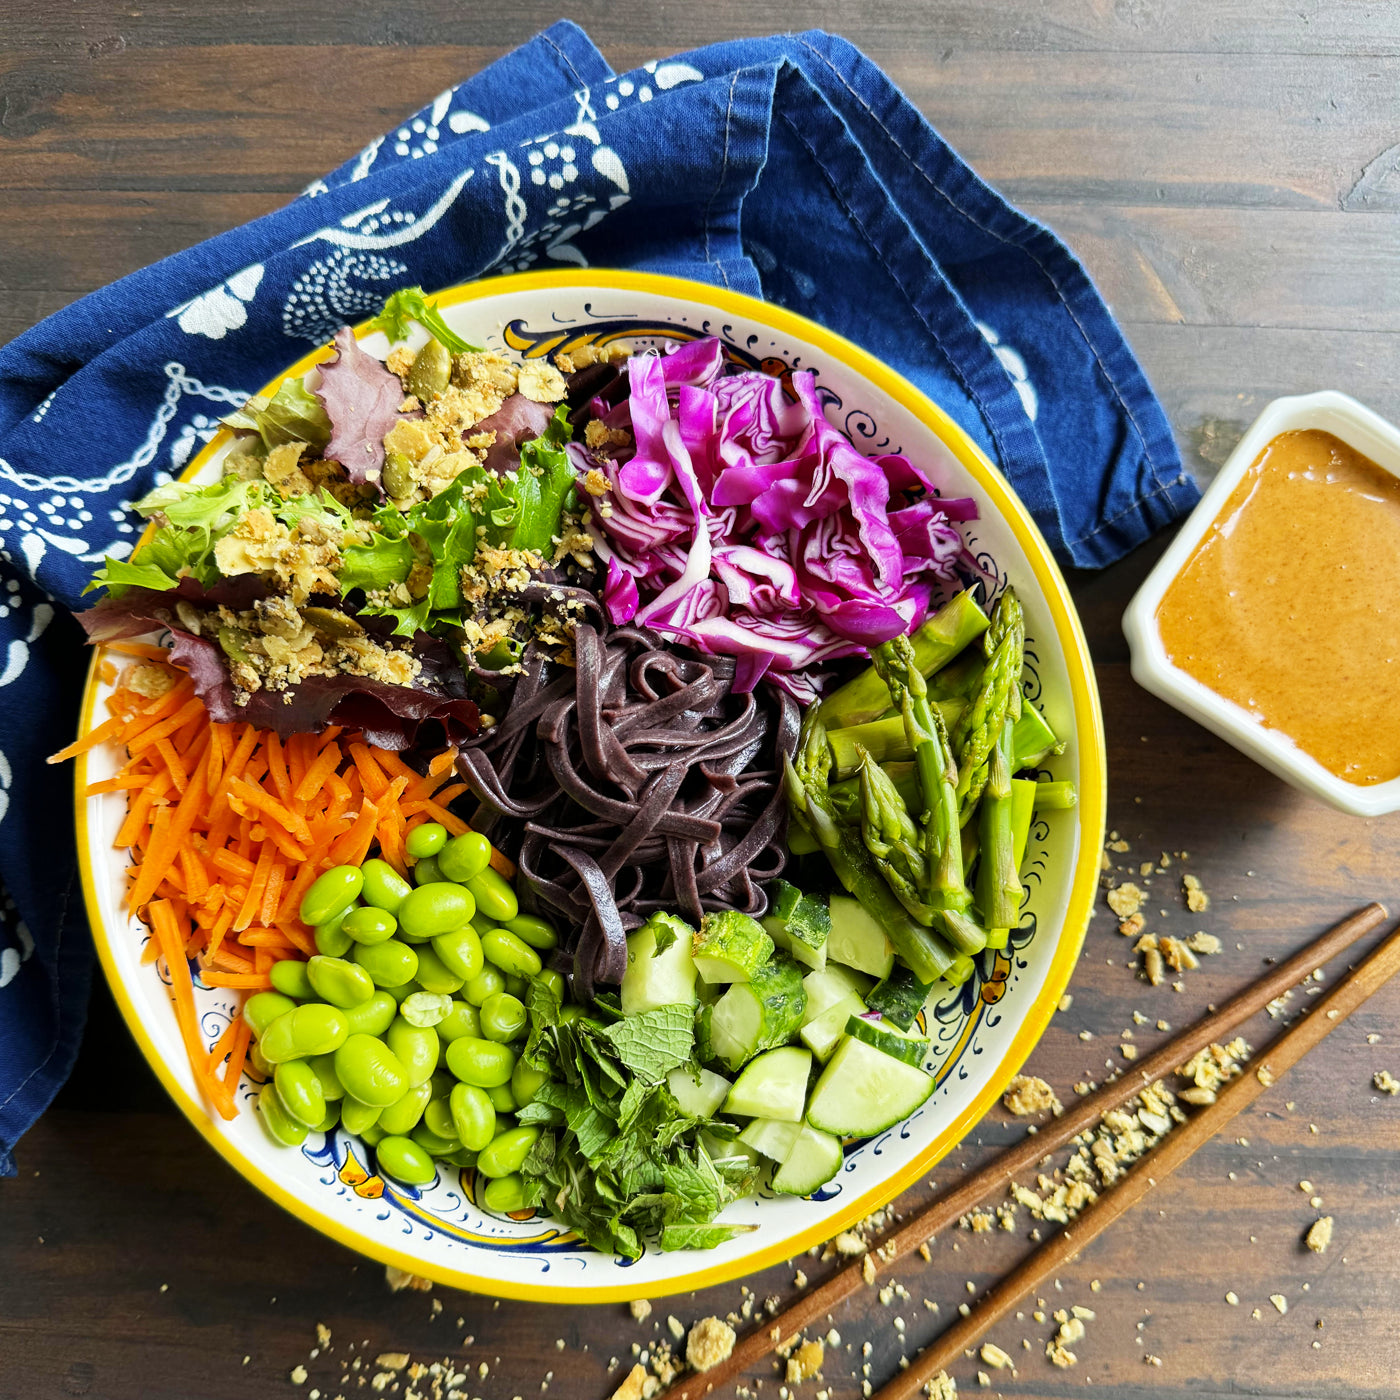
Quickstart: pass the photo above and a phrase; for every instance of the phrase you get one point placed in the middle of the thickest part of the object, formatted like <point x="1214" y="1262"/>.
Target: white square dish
<point x="1362" y="430"/>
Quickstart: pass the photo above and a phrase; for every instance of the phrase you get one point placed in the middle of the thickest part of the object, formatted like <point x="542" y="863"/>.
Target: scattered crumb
<point x="1027" y="1095"/>
<point x="640" y="1309"/>
<point x="1233" y="1298"/>
<point x="711" y="1341"/>
<point x="942" y="1387"/>
<point x="634" y="1386"/>
<point x="297" y="1375"/>
<point x="848" y="1244"/>
<point x="995" y="1357"/>
<point x="1386" y="1082"/>
<point x="399" y="1279"/>
<point x="1197" y="900"/>
<point x="1319" y="1235"/>
<point x="805" y="1362"/>
<point x="1126" y="900"/>
<point x="1279" y="1301"/>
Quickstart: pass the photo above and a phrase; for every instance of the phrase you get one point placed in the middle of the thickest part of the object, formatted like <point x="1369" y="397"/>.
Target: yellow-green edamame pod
<point x="331" y="939"/>
<point x="480" y="1062"/>
<point x="460" y="950"/>
<point x="373" y="1135"/>
<point x="507" y="1151"/>
<point x="288" y="976"/>
<point x="329" y="1120"/>
<point x="403" y="991"/>
<point x="473" y="1116"/>
<point x="437" y="1118"/>
<point x="432" y="1144"/>
<point x="300" y="1092"/>
<point x="331" y="1087"/>
<point x="369" y="925"/>
<point x="426" y="871"/>
<point x="462" y="1019"/>
<point x="341" y="983"/>
<point x="433" y="974"/>
<point x="317" y="1029"/>
<point x="464" y="857"/>
<point x="261" y="1066"/>
<point x="357" y="1117"/>
<point x="372" y="1017"/>
<point x="503" y="1195"/>
<point x="281" y="1126"/>
<point x="512" y="954"/>
<point x="332" y="894"/>
<point x="517" y="986"/>
<point x="493" y="895"/>
<point x="555" y="982"/>
<point x="503" y="1018"/>
<point x="391" y="964"/>
<point x="502" y="1097"/>
<point x="537" y="932"/>
<point x="263" y="1008"/>
<point x="404" y="1160"/>
<point x="403" y="1114"/>
<point x="416" y="1048"/>
<point x="384" y="887"/>
<point x="486" y="983"/>
<point x="433" y="909"/>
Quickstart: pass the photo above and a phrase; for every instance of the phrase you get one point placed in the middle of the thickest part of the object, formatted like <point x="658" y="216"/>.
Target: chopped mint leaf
<point x="655" y="1041"/>
<point x="409" y="304"/>
<point x="701" y="1236"/>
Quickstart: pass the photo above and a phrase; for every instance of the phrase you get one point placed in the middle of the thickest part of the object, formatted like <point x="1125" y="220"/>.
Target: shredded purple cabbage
<point x="741" y="521"/>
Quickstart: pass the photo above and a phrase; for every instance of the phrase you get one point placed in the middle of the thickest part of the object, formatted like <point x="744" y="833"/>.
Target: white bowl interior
<point x="980" y="1036"/>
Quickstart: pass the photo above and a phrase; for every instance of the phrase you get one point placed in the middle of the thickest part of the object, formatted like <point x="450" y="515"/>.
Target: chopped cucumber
<point x="698" y="1092"/>
<point x="911" y="1049"/>
<point x="657" y="979"/>
<point x="730" y="947"/>
<point x="728" y="1151"/>
<point x="863" y="1091"/>
<point x="799" y="924"/>
<point x="773" y="1139"/>
<point x="759" y="1014"/>
<point x="812" y="1161"/>
<point x="774" y="1085"/>
<point x="857" y="940"/>
<point x="899" y="998"/>
<point x="833" y="997"/>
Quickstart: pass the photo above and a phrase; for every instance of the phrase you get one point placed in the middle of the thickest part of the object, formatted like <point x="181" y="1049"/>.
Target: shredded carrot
<point x="228" y="826"/>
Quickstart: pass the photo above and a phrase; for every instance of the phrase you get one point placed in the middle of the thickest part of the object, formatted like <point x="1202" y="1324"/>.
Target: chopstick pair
<point x="954" y="1202"/>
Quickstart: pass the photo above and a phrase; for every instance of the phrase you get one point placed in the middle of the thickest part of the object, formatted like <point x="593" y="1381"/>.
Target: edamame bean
<point x="331" y="938"/>
<point x="390" y="964"/>
<point x="473" y="1116"/>
<point x="434" y="975"/>
<point x="504" y="1194"/>
<point x="300" y="1092"/>
<point x="416" y="1048"/>
<point x="317" y="1029"/>
<point x="402" y="1116"/>
<point x="525" y="1082"/>
<point x="462" y="1019"/>
<point x="368" y="925"/>
<point x="430" y="371"/>
<point x="513" y="955"/>
<point x="503" y="1017"/>
<point x="461" y="951"/>
<point x="443" y="1082"/>
<point x="324" y="1067"/>
<point x="485" y="984"/>
<point x="329" y="1119"/>
<point x="289" y="977"/>
<point x="403" y="991"/>
<point x="426" y="840"/>
<point x="554" y="981"/>
<point x="373" y="1135"/>
<point x="537" y="932"/>
<point x="370" y="1071"/>
<point x="493" y="895"/>
<point x="426" y="871"/>
<point x="434" y="909"/>
<point x="356" y="1116"/>
<point x="277" y="1043"/>
<point x="372" y="1017"/>
<point x="425" y="1008"/>
<point x="343" y="984"/>
<point x="333" y="892"/>
<point x="384" y="887"/>
<point x="432" y="1144"/>
<point x="502" y="1098"/>
<point x="404" y="1160"/>
<point x="518" y="987"/>
<point x="280" y="1124"/>
<point x="437" y="1118"/>
<point x="464" y="857"/>
<point x="463" y="1158"/>
<point x="481" y="1062"/>
<point x="261" y="1065"/>
<point x="263" y="1008"/>
<point x="507" y="1151"/>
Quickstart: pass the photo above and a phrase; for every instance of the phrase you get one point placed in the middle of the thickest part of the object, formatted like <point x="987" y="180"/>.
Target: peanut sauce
<point x="1290" y="604"/>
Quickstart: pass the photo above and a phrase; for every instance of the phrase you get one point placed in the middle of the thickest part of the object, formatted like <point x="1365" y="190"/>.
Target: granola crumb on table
<point x="1026" y="1095"/>
<point x="1319" y="1235"/>
<point x="711" y="1341"/>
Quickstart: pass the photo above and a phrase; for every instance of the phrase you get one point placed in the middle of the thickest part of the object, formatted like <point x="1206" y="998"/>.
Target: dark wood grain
<point x="1228" y="171"/>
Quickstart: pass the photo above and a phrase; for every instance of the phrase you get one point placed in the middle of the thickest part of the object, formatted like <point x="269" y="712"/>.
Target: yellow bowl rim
<point x="1090" y="813"/>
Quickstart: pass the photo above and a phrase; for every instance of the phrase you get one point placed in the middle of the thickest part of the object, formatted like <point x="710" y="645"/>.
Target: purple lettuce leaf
<point x="518" y="420"/>
<point x="362" y="400"/>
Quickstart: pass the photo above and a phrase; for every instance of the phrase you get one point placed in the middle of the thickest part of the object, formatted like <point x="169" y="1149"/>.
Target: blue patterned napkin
<point x="788" y="168"/>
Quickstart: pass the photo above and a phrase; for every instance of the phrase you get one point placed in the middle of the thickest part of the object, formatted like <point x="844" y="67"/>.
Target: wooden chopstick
<point x="957" y="1200"/>
<point x="1320" y="1021"/>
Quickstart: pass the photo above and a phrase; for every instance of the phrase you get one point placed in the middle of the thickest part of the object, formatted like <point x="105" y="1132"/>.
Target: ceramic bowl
<point x="980" y="1035"/>
<point x="1359" y="428"/>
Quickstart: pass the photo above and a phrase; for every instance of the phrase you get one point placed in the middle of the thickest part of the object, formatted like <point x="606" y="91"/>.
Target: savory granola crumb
<point x="1319" y="1235"/>
<point x="1197" y="900"/>
<point x="1386" y="1082"/>
<point x="711" y="1341"/>
<point x="1026" y="1095"/>
<point x="640" y="1309"/>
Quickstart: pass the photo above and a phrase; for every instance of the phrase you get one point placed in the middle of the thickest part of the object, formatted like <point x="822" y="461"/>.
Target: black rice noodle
<point x="634" y="782"/>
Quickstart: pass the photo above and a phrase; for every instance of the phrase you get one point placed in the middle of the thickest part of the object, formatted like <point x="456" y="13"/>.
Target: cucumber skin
<point x="910" y="1051"/>
<point x="778" y="989"/>
<point x="899" y="998"/>
<point x="651" y="981"/>
<point x="733" y="938"/>
<point x="795" y="1176"/>
<point x="867" y="1066"/>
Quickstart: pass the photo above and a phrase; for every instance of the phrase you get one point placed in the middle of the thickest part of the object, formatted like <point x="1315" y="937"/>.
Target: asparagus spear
<point x="924" y="952"/>
<point x="998" y="699"/>
<point x="941" y="638"/>
<point x="845" y="795"/>
<point x="892" y="839"/>
<point x="885" y="738"/>
<point x="999" y="888"/>
<point x="1054" y="796"/>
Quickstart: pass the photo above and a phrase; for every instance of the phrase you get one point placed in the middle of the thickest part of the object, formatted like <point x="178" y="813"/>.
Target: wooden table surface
<point x="1229" y="171"/>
